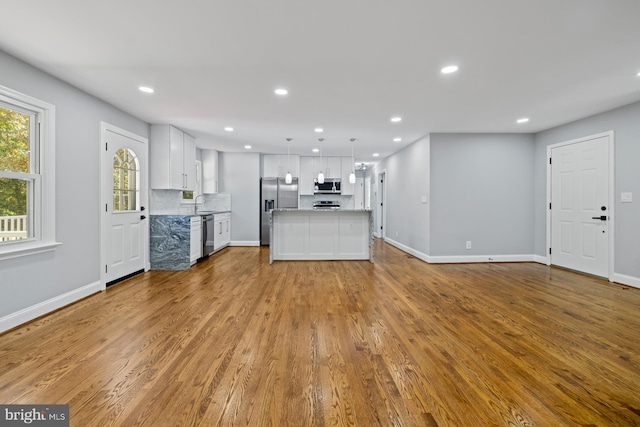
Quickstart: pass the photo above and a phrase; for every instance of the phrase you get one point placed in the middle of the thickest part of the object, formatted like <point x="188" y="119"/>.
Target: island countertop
<point x="321" y="234"/>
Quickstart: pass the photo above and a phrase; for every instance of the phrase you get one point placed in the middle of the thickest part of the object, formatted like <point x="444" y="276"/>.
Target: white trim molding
<point x="626" y="280"/>
<point x="30" y="313"/>
<point x="481" y="258"/>
<point x="420" y="255"/>
<point x="465" y="258"/>
<point x="540" y="259"/>
<point x="244" y="243"/>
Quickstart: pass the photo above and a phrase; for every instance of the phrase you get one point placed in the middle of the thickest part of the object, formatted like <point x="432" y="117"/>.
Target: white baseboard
<point x="245" y="243"/>
<point x="376" y="235"/>
<point x="481" y="258"/>
<point x="465" y="258"/>
<point x="19" y="317"/>
<point x="626" y="280"/>
<point x="541" y="259"/>
<point x="420" y="255"/>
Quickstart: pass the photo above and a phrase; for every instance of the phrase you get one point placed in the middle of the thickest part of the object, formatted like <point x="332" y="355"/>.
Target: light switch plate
<point x="424" y="199"/>
<point x="626" y="197"/>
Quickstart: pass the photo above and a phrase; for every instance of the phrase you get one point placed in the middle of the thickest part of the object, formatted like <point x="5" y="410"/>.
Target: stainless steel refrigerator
<point x="275" y="194"/>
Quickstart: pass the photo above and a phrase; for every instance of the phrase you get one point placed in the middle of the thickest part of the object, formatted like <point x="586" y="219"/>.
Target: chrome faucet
<point x="195" y="203"/>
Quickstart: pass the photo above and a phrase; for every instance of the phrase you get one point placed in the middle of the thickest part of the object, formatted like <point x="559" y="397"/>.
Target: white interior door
<point x="580" y="210"/>
<point x="124" y="200"/>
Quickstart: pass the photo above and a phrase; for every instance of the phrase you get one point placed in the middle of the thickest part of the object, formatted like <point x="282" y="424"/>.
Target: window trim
<point x="44" y="222"/>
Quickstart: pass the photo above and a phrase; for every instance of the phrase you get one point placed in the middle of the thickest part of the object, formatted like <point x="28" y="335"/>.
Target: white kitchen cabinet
<point x="307" y="175"/>
<point x="209" y="171"/>
<point x="222" y="224"/>
<point x="277" y="165"/>
<point x="331" y="166"/>
<point x="189" y="161"/>
<point x="347" y="168"/>
<point x="196" y="239"/>
<point x="172" y="155"/>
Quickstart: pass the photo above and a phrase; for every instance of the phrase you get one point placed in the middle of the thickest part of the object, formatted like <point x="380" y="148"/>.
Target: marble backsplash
<point x="169" y="202"/>
<point x="346" y="202"/>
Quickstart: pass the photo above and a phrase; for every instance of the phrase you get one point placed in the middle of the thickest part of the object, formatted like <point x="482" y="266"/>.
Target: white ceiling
<point x="349" y="65"/>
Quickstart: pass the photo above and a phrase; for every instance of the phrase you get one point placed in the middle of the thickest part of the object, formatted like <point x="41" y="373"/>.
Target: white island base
<point x="300" y="234"/>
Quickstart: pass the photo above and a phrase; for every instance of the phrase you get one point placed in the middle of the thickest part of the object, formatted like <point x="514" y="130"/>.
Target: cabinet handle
<point x="227" y="226"/>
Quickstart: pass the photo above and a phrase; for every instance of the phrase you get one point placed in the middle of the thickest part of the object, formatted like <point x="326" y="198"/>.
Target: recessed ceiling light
<point x="146" y="89"/>
<point x="638" y="75"/>
<point x="396" y="119"/>
<point x="449" y="69"/>
<point x="281" y="91"/>
<point x="376" y="154"/>
<point x="316" y="150"/>
<point x="397" y="139"/>
<point x="248" y="147"/>
<point x="319" y="130"/>
<point x="229" y="129"/>
<point x="522" y="120"/>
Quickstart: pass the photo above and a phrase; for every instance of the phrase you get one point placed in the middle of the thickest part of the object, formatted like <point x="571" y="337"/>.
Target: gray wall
<point x="482" y="190"/>
<point x="29" y="280"/>
<point x="625" y="122"/>
<point x="407" y="176"/>
<point x="239" y="174"/>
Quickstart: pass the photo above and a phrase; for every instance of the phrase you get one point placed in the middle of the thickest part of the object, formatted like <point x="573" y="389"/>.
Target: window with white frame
<point x="27" y="222"/>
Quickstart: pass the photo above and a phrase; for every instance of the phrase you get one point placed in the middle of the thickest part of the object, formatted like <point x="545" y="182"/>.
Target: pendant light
<point x="288" y="179"/>
<point x="321" y="175"/>
<point x="352" y="175"/>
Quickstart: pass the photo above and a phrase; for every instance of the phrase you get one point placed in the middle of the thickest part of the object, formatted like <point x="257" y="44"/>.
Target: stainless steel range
<point x="326" y="205"/>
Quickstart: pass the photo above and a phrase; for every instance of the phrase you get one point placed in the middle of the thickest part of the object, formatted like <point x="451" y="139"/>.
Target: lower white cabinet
<point x="321" y="235"/>
<point x="222" y="224"/>
<point x="196" y="239"/>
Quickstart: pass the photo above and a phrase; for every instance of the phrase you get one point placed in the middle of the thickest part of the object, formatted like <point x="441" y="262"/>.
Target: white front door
<point x="124" y="201"/>
<point x="580" y="211"/>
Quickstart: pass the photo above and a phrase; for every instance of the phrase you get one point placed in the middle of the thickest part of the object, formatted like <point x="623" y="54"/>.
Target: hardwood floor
<point x="235" y="341"/>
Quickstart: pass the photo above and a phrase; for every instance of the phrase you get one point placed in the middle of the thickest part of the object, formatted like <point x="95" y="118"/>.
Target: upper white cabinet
<point x="172" y="156"/>
<point x="209" y="171"/>
<point x="331" y="167"/>
<point x="277" y="165"/>
<point x="307" y="174"/>
<point x="347" y="168"/>
<point x="189" y="161"/>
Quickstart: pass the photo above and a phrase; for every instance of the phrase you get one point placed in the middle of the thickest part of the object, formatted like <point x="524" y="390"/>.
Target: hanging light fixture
<point x="352" y="175"/>
<point x="288" y="179"/>
<point x="321" y="175"/>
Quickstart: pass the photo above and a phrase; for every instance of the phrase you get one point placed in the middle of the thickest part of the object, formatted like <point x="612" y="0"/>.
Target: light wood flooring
<point x="236" y="341"/>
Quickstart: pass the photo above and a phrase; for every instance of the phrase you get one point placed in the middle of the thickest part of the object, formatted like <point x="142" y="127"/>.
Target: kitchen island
<point x="309" y="234"/>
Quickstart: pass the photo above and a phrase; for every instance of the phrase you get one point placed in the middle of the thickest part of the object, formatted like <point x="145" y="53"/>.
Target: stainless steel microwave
<point x="329" y="186"/>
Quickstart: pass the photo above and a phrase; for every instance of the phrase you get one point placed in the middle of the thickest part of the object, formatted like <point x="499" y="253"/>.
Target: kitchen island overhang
<point x="316" y="235"/>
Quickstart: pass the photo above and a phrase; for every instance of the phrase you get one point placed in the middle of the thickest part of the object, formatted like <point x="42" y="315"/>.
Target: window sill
<point x="25" y="249"/>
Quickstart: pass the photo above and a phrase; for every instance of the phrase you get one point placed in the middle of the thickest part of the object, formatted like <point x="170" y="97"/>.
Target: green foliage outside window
<point x="14" y="156"/>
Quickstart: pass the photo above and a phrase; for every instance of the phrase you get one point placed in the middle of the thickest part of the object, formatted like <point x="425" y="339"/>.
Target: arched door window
<point x="126" y="181"/>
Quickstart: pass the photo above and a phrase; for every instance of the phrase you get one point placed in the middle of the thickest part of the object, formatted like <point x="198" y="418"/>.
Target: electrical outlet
<point x="468" y="244"/>
<point x="396" y="233"/>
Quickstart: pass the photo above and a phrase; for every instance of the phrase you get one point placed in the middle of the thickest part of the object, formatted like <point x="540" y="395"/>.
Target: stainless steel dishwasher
<point x="208" y="234"/>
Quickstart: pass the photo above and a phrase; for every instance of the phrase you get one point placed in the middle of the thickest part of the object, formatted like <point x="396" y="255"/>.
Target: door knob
<point x="601" y="218"/>
<point x="142" y="217"/>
